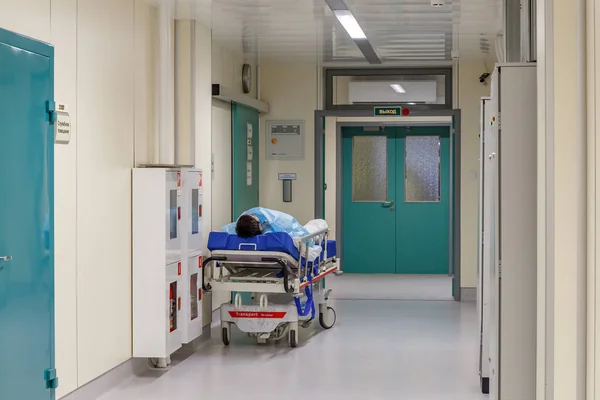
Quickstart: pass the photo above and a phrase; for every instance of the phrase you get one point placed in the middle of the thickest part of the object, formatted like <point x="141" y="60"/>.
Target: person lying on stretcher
<point x="259" y="220"/>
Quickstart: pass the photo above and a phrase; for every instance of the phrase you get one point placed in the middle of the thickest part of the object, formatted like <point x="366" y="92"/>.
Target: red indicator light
<point x="178" y="268"/>
<point x="405" y="111"/>
<point x="200" y="262"/>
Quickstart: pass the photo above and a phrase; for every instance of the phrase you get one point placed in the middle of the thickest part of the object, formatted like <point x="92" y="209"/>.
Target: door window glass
<point x="369" y="168"/>
<point x="422" y="169"/>
<point x="195" y="211"/>
<point x="193" y="297"/>
<point x="173" y="214"/>
<point x="173" y="307"/>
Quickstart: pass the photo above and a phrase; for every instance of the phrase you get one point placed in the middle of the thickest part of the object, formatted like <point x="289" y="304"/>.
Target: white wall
<point x="291" y="91"/>
<point x="227" y="71"/>
<point x="95" y="70"/>
<point x="105" y="96"/>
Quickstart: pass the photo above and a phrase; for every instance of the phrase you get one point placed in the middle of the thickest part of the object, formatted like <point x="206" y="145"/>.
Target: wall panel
<point x="64" y="39"/>
<point x="105" y="158"/>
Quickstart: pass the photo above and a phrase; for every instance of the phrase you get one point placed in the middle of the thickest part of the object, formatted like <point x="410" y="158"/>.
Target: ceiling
<point x="400" y="31"/>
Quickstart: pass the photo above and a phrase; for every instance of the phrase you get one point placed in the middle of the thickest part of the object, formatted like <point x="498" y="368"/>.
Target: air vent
<point x="438" y="3"/>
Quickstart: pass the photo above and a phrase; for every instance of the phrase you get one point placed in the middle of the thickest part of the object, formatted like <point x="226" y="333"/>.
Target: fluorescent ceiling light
<point x="398" y="88"/>
<point x="350" y="24"/>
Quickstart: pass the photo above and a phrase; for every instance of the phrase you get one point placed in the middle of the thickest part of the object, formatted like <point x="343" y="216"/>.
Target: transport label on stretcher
<point x="257" y="314"/>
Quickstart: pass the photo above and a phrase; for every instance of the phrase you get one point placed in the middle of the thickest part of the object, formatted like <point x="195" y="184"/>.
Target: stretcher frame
<point x="269" y="273"/>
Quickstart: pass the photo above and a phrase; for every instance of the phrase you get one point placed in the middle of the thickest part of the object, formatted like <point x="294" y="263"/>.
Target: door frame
<point x="449" y="118"/>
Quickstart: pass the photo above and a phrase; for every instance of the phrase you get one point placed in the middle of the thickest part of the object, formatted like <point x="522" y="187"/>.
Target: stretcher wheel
<point x="226" y="335"/>
<point x="322" y="319"/>
<point x="294" y="338"/>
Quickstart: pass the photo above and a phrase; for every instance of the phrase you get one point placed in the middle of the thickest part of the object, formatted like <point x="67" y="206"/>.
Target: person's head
<point x="248" y="226"/>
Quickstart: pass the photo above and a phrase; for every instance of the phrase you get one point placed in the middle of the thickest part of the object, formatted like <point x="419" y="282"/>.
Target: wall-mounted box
<point x="285" y="140"/>
<point x="157" y="262"/>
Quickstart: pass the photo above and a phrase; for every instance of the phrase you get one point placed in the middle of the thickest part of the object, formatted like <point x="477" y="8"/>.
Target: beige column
<point x="185" y="42"/>
<point x="562" y="195"/>
<point x="593" y="249"/>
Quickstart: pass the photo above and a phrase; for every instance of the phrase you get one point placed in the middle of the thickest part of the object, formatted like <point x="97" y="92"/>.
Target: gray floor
<point x="382" y="349"/>
<point x="391" y="287"/>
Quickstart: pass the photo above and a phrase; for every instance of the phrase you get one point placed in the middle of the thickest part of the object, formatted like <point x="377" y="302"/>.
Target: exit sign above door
<point x="388" y="111"/>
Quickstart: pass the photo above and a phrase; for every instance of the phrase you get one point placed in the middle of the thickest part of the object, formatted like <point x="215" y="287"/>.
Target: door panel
<point x="369" y="190"/>
<point x="26" y="219"/>
<point x="244" y="192"/>
<point x="423" y="200"/>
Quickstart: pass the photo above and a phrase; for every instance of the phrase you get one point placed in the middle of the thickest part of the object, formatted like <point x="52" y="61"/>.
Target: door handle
<point x="387" y="204"/>
<point x="5" y="258"/>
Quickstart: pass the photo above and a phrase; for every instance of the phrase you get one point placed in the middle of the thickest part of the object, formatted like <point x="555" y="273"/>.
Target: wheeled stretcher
<point x="284" y="276"/>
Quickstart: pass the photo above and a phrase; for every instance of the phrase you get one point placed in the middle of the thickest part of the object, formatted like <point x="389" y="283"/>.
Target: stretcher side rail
<point x="264" y="263"/>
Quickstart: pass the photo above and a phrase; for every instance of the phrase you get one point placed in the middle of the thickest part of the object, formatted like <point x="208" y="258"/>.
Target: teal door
<point x="244" y="131"/>
<point x="26" y="220"/>
<point x="423" y="198"/>
<point x="369" y="178"/>
<point x="396" y="200"/>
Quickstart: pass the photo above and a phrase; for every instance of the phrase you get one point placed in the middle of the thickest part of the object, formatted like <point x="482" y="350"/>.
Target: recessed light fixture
<point x="350" y="24"/>
<point x="398" y="88"/>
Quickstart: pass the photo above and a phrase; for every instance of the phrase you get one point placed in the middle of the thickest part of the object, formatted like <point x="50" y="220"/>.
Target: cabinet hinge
<point x="51" y="378"/>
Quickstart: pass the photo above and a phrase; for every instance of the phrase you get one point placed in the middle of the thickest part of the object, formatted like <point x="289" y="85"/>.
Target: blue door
<point x="26" y="220"/>
<point x="396" y="200"/>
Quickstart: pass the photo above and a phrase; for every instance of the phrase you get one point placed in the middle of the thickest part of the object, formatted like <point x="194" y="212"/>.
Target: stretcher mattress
<point x="279" y="242"/>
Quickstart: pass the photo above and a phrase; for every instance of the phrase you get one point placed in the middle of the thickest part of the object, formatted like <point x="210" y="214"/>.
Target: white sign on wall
<point x="62" y="125"/>
<point x="249" y="173"/>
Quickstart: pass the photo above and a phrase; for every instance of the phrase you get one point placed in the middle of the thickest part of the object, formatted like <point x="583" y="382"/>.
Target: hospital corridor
<point x="299" y="199"/>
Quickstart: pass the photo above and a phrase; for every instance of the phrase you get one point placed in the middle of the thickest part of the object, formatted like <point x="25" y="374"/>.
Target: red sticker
<point x="179" y="179"/>
<point x="200" y="179"/>
<point x="257" y="314"/>
<point x="200" y="262"/>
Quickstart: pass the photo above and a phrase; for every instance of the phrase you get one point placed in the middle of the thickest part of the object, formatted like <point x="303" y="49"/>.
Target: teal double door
<point x="396" y="200"/>
<point x="26" y="220"/>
